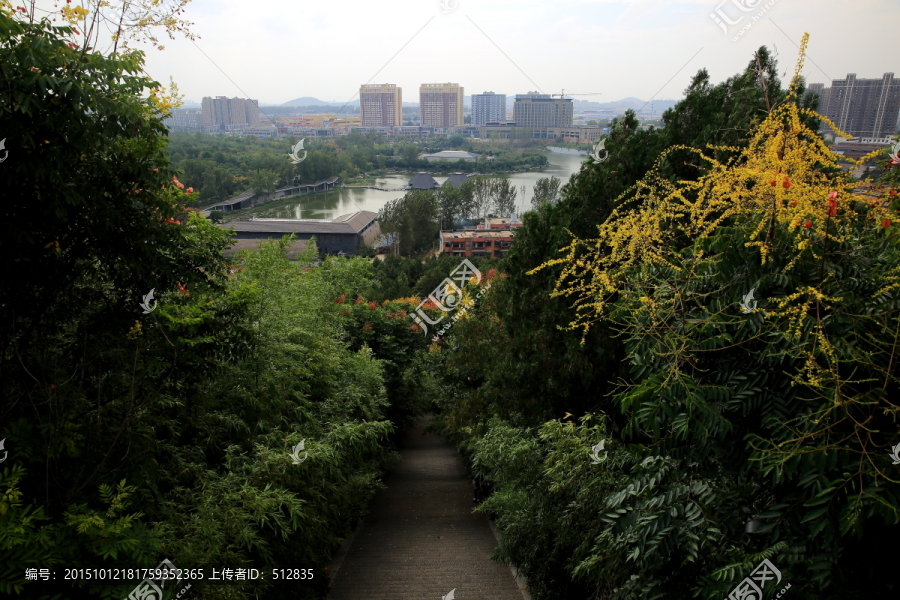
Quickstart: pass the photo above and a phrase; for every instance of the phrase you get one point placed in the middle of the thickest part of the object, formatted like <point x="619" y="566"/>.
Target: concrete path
<point x="422" y="539"/>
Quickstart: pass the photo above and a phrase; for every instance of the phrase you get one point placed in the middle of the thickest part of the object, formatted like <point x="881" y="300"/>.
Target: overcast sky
<point x="278" y="50"/>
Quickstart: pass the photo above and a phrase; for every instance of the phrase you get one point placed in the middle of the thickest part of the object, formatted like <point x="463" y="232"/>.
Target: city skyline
<point x="643" y="48"/>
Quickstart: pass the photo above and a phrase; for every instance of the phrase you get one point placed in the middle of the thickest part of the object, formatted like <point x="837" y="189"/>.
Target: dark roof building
<point x="422" y="181"/>
<point x="344" y="234"/>
<point x="242" y="200"/>
<point x="323" y="185"/>
<point x="456" y="179"/>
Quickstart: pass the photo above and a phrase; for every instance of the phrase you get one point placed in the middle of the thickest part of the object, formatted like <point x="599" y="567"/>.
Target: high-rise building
<point x="861" y="107"/>
<point x="380" y="105"/>
<point x="229" y="112"/>
<point x="541" y="110"/>
<point x="488" y="108"/>
<point x="184" y="119"/>
<point x="441" y="104"/>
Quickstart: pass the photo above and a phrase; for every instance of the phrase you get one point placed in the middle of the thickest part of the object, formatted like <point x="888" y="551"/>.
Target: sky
<point x="278" y="50"/>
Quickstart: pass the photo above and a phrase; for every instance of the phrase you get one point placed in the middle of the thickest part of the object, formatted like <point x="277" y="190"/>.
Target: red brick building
<point x="493" y="243"/>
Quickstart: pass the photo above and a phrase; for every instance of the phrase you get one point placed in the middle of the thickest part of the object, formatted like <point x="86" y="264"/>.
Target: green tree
<point x="264" y="181"/>
<point x="450" y="205"/>
<point x="546" y="189"/>
<point x="410" y="154"/>
<point x="190" y="400"/>
<point x="504" y="197"/>
<point x="110" y="226"/>
<point x="708" y="418"/>
<point x="413" y="219"/>
<point x="482" y="196"/>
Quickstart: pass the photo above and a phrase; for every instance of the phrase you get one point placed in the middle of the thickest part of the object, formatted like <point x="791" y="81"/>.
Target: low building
<point x="184" y="119"/>
<point x="500" y="223"/>
<point x="303" y="120"/>
<point x="571" y="133"/>
<point x="422" y="181"/>
<point x="343" y="235"/>
<point x="470" y="131"/>
<point x="451" y="155"/>
<point x="493" y="243"/>
<point x="407" y="131"/>
<point x="456" y="179"/>
<point x="243" y="200"/>
<point x="859" y="147"/>
<point x="260" y="131"/>
<point x="323" y="185"/>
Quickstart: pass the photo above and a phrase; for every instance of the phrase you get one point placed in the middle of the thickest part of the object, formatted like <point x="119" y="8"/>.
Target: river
<point x="341" y="201"/>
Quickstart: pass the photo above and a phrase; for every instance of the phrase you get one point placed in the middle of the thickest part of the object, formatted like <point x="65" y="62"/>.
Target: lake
<point x="341" y="201"/>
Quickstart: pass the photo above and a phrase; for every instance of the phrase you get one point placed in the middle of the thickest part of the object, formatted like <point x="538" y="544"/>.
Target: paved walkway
<point x="422" y="539"/>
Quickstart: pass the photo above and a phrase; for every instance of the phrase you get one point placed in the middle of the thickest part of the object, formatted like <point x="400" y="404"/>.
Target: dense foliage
<point x="710" y="418"/>
<point x="400" y="277"/>
<point x="151" y="391"/>
<point x="140" y="426"/>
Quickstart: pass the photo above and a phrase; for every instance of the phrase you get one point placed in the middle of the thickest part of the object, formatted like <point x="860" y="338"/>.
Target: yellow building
<point x="441" y="104"/>
<point x="344" y="123"/>
<point x="380" y="105"/>
<point x="304" y="120"/>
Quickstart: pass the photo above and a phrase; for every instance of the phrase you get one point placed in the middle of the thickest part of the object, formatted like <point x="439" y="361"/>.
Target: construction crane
<point x="563" y="94"/>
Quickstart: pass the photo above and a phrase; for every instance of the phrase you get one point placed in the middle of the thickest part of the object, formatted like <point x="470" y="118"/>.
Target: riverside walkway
<point x="422" y="539"/>
<point x="375" y="187"/>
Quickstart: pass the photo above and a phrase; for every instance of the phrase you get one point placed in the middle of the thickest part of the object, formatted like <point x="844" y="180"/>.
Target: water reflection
<point x="340" y="201"/>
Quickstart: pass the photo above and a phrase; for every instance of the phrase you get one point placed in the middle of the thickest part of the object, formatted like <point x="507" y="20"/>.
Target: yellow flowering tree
<point x="125" y="21"/>
<point x="759" y="307"/>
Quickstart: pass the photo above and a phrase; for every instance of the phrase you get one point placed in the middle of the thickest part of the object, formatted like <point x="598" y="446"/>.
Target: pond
<point x="341" y="201"/>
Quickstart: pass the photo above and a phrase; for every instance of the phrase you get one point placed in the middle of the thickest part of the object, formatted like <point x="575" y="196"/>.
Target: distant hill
<point x="308" y="101"/>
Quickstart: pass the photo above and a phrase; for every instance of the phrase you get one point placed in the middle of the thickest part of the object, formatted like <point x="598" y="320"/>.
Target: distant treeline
<point x="219" y="166"/>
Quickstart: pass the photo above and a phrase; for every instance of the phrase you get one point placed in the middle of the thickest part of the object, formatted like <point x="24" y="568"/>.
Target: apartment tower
<point x="380" y="105"/>
<point x="488" y="108"/>
<point x="866" y="108"/>
<point x="228" y="112"/>
<point x="541" y="110"/>
<point x="441" y="104"/>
